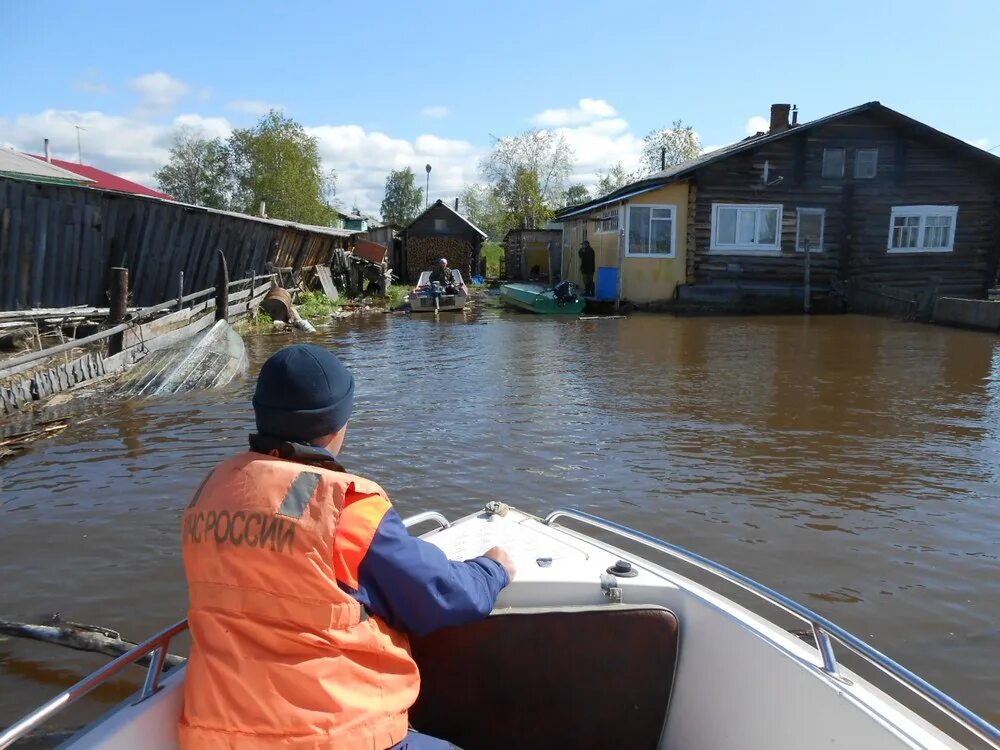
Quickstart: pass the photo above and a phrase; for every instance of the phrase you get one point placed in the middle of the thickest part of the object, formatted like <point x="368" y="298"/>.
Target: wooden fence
<point x="58" y="244"/>
<point x="37" y="375"/>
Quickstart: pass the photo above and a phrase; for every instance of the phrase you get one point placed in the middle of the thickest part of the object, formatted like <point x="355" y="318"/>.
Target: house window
<point x="809" y="230"/>
<point x="833" y="162"/>
<point x="865" y="163"/>
<point x="607" y="224"/>
<point x="651" y="231"/>
<point x="440" y="225"/>
<point x="922" y="229"/>
<point x="746" y="228"/>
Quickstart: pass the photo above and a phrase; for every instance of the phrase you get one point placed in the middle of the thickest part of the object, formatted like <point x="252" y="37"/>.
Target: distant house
<point x="441" y="232"/>
<point x="533" y="253"/>
<point x="25" y="167"/>
<point x="98" y="178"/>
<point x="356" y="221"/>
<point x="877" y="198"/>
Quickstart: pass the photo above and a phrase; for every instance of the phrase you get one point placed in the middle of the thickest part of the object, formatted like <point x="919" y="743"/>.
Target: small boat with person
<point x="561" y="299"/>
<point x="432" y="296"/>
<point x="596" y="645"/>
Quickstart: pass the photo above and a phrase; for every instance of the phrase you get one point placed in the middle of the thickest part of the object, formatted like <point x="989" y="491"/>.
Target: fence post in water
<point x="118" y="307"/>
<point x="222" y="289"/>
<point x="180" y="289"/>
<point x="807" y="291"/>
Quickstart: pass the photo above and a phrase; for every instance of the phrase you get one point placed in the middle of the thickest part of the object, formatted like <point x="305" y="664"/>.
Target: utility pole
<point x="79" y="147"/>
<point x="427" y="190"/>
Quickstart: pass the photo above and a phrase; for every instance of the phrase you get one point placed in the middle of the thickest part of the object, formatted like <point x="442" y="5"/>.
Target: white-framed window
<point x="607" y="223"/>
<point x="922" y="229"/>
<point x="746" y="228"/>
<point x="833" y="162"/>
<point x="651" y="231"/>
<point x="809" y="227"/>
<point x="865" y="163"/>
<point x="440" y="225"/>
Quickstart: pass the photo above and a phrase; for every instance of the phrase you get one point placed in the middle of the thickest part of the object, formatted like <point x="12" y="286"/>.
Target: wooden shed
<point x="533" y="254"/>
<point x="442" y="232"/>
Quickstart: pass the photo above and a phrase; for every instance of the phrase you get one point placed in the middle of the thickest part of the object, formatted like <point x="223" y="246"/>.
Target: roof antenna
<point x="663" y="159"/>
<point x="79" y="148"/>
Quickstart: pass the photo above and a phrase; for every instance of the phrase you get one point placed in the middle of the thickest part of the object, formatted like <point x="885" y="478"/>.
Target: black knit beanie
<point x="303" y="392"/>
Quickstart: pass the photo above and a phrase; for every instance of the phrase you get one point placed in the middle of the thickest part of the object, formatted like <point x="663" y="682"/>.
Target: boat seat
<point x="548" y="679"/>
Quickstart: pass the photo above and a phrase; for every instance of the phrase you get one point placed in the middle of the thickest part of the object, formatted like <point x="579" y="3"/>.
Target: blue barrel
<point x="606" y="282"/>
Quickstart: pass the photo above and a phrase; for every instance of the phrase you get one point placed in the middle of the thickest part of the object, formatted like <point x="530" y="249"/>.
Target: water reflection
<point x="850" y="462"/>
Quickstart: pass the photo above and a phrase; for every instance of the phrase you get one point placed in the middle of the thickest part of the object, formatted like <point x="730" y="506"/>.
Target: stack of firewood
<point x="423" y="254"/>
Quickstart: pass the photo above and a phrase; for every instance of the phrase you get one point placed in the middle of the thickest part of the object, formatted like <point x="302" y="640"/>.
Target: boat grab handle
<point x="822" y="628"/>
<point x="431" y="516"/>
<point x="157" y="645"/>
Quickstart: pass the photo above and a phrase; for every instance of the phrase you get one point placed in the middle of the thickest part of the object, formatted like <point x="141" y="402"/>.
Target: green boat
<point x="561" y="300"/>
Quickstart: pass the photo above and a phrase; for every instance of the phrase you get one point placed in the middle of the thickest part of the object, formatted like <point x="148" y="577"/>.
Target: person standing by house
<point x="588" y="265"/>
<point x="304" y="582"/>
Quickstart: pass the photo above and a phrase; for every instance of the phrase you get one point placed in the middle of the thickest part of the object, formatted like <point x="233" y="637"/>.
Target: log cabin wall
<point x="913" y="168"/>
<point x="57" y="244"/>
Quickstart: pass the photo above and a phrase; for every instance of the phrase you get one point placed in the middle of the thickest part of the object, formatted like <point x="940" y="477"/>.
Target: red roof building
<point x="105" y="180"/>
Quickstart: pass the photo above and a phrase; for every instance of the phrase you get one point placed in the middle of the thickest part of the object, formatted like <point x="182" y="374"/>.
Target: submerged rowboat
<point x="596" y="647"/>
<point x="432" y="297"/>
<point x="560" y="300"/>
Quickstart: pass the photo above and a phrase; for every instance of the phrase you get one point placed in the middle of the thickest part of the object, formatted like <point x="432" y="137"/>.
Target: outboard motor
<point x="565" y="292"/>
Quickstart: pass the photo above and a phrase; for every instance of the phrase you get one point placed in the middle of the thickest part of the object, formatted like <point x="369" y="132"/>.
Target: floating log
<point x="81" y="638"/>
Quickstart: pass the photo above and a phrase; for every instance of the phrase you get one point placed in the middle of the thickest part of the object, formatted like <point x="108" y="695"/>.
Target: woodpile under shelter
<point x="533" y="254"/>
<point x="442" y="232"/>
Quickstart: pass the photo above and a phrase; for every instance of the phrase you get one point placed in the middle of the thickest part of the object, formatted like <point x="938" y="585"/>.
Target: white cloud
<point x="757" y="124"/>
<point x="159" y="93"/>
<point x="435" y="112"/>
<point x="124" y="145"/>
<point x="983" y="143"/>
<point x="587" y="110"/>
<point x="364" y="158"/>
<point x="254" y="107"/>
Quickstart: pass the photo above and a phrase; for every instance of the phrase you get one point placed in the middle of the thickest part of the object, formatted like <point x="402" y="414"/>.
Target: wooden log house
<point x="442" y="232"/>
<point x="882" y="201"/>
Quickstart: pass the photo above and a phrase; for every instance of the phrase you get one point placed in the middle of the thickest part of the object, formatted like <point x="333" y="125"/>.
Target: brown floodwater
<point x="850" y="462"/>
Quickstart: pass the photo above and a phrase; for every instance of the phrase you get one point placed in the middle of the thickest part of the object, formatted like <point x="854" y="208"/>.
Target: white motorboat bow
<point x="593" y="646"/>
<point x="428" y="296"/>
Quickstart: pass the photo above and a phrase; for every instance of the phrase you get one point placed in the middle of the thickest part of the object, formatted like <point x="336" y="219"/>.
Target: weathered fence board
<point x="58" y="242"/>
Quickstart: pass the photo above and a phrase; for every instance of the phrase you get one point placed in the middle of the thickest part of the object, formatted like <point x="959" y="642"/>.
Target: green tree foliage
<point x="575" y="195"/>
<point x="278" y="162"/>
<point x="528" y="174"/>
<point x="403" y="199"/>
<point x="198" y="170"/>
<point x="613" y="179"/>
<point x="481" y="205"/>
<point x="679" y="141"/>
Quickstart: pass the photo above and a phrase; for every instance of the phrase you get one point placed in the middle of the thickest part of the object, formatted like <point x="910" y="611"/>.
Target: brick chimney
<point x="779" y="117"/>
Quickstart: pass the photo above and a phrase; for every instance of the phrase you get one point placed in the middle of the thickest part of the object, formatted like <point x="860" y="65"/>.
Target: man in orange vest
<point x="303" y="583"/>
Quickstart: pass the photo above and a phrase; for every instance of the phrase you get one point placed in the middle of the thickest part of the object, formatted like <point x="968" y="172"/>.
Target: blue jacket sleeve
<point x="414" y="587"/>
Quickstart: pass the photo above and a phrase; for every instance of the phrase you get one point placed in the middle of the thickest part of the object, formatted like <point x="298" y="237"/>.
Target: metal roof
<point x="15" y="163"/>
<point x="440" y="202"/>
<point x="686" y="169"/>
<point x="105" y="180"/>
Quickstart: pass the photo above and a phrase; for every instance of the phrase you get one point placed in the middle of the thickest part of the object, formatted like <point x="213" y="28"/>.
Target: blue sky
<point x="383" y="85"/>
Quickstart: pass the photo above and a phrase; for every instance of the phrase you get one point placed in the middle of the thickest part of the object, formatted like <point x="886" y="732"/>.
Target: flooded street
<point x="850" y="462"/>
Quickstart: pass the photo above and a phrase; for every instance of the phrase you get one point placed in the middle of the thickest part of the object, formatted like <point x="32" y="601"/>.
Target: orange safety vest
<point x="281" y="656"/>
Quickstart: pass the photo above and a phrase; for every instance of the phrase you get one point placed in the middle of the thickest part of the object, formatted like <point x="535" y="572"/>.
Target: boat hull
<point x="538" y="300"/>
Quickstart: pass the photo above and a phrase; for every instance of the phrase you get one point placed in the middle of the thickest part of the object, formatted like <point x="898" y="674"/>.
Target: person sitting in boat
<point x="444" y="276"/>
<point x="303" y="583"/>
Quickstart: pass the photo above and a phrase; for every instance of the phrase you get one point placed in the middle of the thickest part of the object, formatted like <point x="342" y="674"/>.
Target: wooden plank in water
<point x="329" y="288"/>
